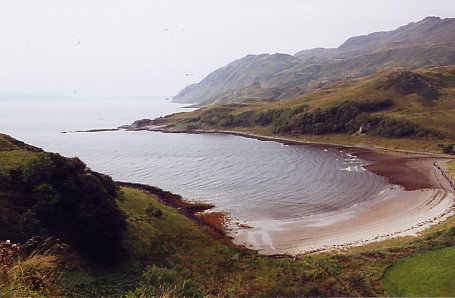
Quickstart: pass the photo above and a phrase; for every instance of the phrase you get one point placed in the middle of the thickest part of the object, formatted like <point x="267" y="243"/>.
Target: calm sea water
<point x="250" y="179"/>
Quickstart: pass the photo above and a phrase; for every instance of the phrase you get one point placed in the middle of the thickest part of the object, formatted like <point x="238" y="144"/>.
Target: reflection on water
<point x="253" y="180"/>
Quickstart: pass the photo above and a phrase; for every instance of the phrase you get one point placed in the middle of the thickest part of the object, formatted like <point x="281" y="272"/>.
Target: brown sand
<point x="410" y="170"/>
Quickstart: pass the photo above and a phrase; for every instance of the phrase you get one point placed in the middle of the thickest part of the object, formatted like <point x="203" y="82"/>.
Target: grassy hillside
<point x="166" y="253"/>
<point x="399" y="108"/>
<point x="8" y="143"/>
<point x="425" y="275"/>
<point x="45" y="195"/>
<point x="159" y="241"/>
<point x="172" y="255"/>
<point x="15" y="153"/>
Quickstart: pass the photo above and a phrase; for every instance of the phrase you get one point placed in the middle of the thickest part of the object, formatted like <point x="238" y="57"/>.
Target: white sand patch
<point x="400" y="213"/>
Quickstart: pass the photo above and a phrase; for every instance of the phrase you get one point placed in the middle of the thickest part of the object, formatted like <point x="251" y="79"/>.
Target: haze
<point x="94" y="48"/>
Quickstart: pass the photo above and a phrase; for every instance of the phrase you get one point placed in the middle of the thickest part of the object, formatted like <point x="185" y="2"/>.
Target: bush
<point x="192" y="126"/>
<point x="153" y="211"/>
<point x="68" y="200"/>
<point x="448" y="149"/>
<point x="399" y="128"/>
<point x="347" y="118"/>
<point x="5" y="180"/>
<point x="336" y="119"/>
<point x="276" y="116"/>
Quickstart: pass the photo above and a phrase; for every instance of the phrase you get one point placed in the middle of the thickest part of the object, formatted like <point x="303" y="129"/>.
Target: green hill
<point x="397" y="109"/>
<point x="424" y="44"/>
<point x="47" y="195"/>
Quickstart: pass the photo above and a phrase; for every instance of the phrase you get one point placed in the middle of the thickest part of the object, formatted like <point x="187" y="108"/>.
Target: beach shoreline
<point x="421" y="195"/>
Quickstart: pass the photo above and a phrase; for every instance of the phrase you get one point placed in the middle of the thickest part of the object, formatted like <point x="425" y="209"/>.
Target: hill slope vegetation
<point x="45" y="194"/>
<point x="418" y="106"/>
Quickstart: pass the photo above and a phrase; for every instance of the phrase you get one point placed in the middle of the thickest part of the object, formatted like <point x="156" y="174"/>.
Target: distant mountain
<point x="424" y="44"/>
<point x="247" y="71"/>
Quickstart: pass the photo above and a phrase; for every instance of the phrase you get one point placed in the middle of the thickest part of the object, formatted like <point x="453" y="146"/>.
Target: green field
<point x="425" y="275"/>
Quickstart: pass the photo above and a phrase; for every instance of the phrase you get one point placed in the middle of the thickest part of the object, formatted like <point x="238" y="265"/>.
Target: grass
<point x="425" y="275"/>
<point x="167" y="240"/>
<point x="150" y="237"/>
<point x="177" y="246"/>
<point x="13" y="159"/>
<point x="30" y="269"/>
<point x="7" y="143"/>
<point x="417" y="145"/>
<point x="14" y="153"/>
<point x="433" y="113"/>
<point x="450" y="166"/>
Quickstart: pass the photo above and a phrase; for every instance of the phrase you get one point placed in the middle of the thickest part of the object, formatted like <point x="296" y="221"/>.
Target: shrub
<point x="347" y="117"/>
<point x="448" y="149"/>
<point x="330" y="120"/>
<point x="192" y="126"/>
<point x="399" y="128"/>
<point x="153" y="211"/>
<point x="68" y="200"/>
<point x="276" y="116"/>
<point x="5" y="180"/>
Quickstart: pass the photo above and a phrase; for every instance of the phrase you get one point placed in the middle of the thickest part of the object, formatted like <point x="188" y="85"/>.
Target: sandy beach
<point x="420" y="194"/>
<point x="402" y="213"/>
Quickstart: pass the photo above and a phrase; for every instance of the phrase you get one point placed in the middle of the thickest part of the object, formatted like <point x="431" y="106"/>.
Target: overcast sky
<point x="96" y="48"/>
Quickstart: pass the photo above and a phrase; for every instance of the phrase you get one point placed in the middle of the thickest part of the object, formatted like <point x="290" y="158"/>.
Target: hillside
<point x="47" y="195"/>
<point x="164" y="251"/>
<point x="424" y="44"/>
<point x="392" y="106"/>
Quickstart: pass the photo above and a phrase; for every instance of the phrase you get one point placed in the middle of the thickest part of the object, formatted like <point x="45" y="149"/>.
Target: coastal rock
<point x="141" y="123"/>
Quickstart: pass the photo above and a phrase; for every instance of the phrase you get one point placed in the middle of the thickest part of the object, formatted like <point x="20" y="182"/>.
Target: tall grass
<point x="30" y="268"/>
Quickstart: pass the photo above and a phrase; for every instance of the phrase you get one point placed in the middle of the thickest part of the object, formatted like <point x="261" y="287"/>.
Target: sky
<point x="133" y="48"/>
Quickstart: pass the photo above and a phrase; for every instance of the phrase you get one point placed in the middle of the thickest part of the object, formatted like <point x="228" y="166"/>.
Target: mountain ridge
<point x="424" y="44"/>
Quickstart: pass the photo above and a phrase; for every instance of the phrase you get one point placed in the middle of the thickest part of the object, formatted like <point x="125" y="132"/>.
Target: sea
<point x="248" y="179"/>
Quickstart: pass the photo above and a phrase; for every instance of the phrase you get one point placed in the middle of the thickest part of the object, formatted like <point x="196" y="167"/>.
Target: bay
<point x="251" y="180"/>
